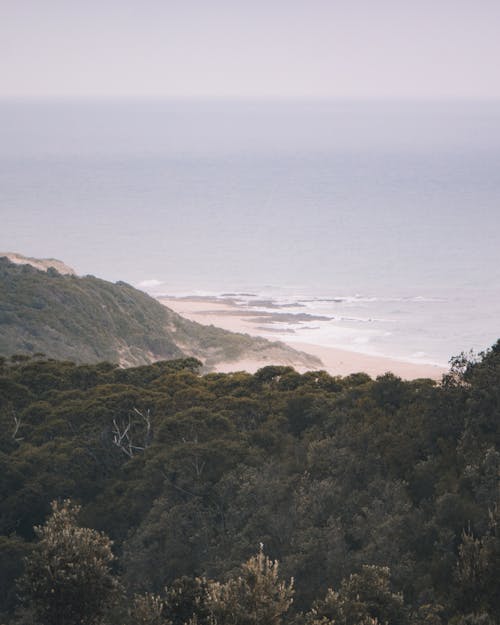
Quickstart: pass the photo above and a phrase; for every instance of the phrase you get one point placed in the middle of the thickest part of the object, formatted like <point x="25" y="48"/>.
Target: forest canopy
<point x="378" y="497"/>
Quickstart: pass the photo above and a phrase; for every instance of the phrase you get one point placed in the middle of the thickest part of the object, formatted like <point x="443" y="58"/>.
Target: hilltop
<point x="45" y="307"/>
<point x="42" y="264"/>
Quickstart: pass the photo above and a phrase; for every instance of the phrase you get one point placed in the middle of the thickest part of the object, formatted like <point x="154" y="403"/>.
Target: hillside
<point x="87" y="320"/>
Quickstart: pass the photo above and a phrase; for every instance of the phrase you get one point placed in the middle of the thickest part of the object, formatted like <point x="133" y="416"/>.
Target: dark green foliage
<point x="186" y="597"/>
<point x="12" y="553"/>
<point x="342" y="479"/>
<point x="478" y="570"/>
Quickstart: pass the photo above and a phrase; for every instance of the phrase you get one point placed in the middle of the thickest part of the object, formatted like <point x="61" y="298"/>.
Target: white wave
<point x="149" y="284"/>
<point x="385" y="325"/>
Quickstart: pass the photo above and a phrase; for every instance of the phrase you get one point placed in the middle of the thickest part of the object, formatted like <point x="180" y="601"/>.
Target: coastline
<point x="228" y="315"/>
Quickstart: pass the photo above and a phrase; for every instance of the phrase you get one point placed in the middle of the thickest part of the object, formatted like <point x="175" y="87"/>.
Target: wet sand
<point x="229" y="316"/>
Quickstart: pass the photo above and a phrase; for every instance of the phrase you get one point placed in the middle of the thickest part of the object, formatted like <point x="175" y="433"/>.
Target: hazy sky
<point x="250" y="48"/>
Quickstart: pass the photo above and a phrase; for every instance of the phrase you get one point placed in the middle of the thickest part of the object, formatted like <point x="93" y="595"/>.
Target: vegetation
<point x="67" y="578"/>
<point x="379" y="498"/>
<point x="88" y="320"/>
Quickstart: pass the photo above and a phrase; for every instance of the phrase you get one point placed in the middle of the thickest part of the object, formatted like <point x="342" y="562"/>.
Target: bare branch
<point x="146" y="417"/>
<point x="122" y="439"/>
<point x="198" y="466"/>
<point x="122" y="434"/>
<point x="17" y="425"/>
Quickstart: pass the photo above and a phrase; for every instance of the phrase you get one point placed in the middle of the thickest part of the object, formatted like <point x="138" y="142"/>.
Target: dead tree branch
<point x="17" y="425"/>
<point x="122" y="434"/>
<point x="146" y="417"/>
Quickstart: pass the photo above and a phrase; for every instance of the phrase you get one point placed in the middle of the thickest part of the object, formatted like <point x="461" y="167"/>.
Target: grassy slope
<point x="90" y="320"/>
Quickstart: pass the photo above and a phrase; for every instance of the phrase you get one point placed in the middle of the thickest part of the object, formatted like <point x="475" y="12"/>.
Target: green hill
<point x="87" y="320"/>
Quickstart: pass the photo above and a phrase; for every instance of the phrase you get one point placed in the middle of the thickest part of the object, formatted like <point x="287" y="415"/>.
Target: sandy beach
<point x="230" y="316"/>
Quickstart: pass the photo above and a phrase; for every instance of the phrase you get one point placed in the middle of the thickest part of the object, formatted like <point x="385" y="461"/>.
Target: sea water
<point x="378" y="219"/>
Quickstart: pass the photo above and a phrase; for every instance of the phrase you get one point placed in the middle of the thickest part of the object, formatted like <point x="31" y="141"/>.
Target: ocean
<point x="380" y="219"/>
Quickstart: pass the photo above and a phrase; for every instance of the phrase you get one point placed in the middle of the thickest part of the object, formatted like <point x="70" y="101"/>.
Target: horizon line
<point x="251" y="98"/>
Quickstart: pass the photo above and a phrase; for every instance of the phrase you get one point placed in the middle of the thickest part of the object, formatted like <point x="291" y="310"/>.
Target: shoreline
<point x="228" y="315"/>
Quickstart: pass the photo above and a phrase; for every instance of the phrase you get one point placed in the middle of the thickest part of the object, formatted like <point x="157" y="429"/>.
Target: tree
<point x="364" y="597"/>
<point x="67" y="578"/>
<point x="478" y="570"/>
<point x="147" y="609"/>
<point x="255" y="597"/>
<point x="185" y="601"/>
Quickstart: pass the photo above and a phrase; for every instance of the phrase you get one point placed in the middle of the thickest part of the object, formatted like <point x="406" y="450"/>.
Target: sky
<point x="250" y="48"/>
